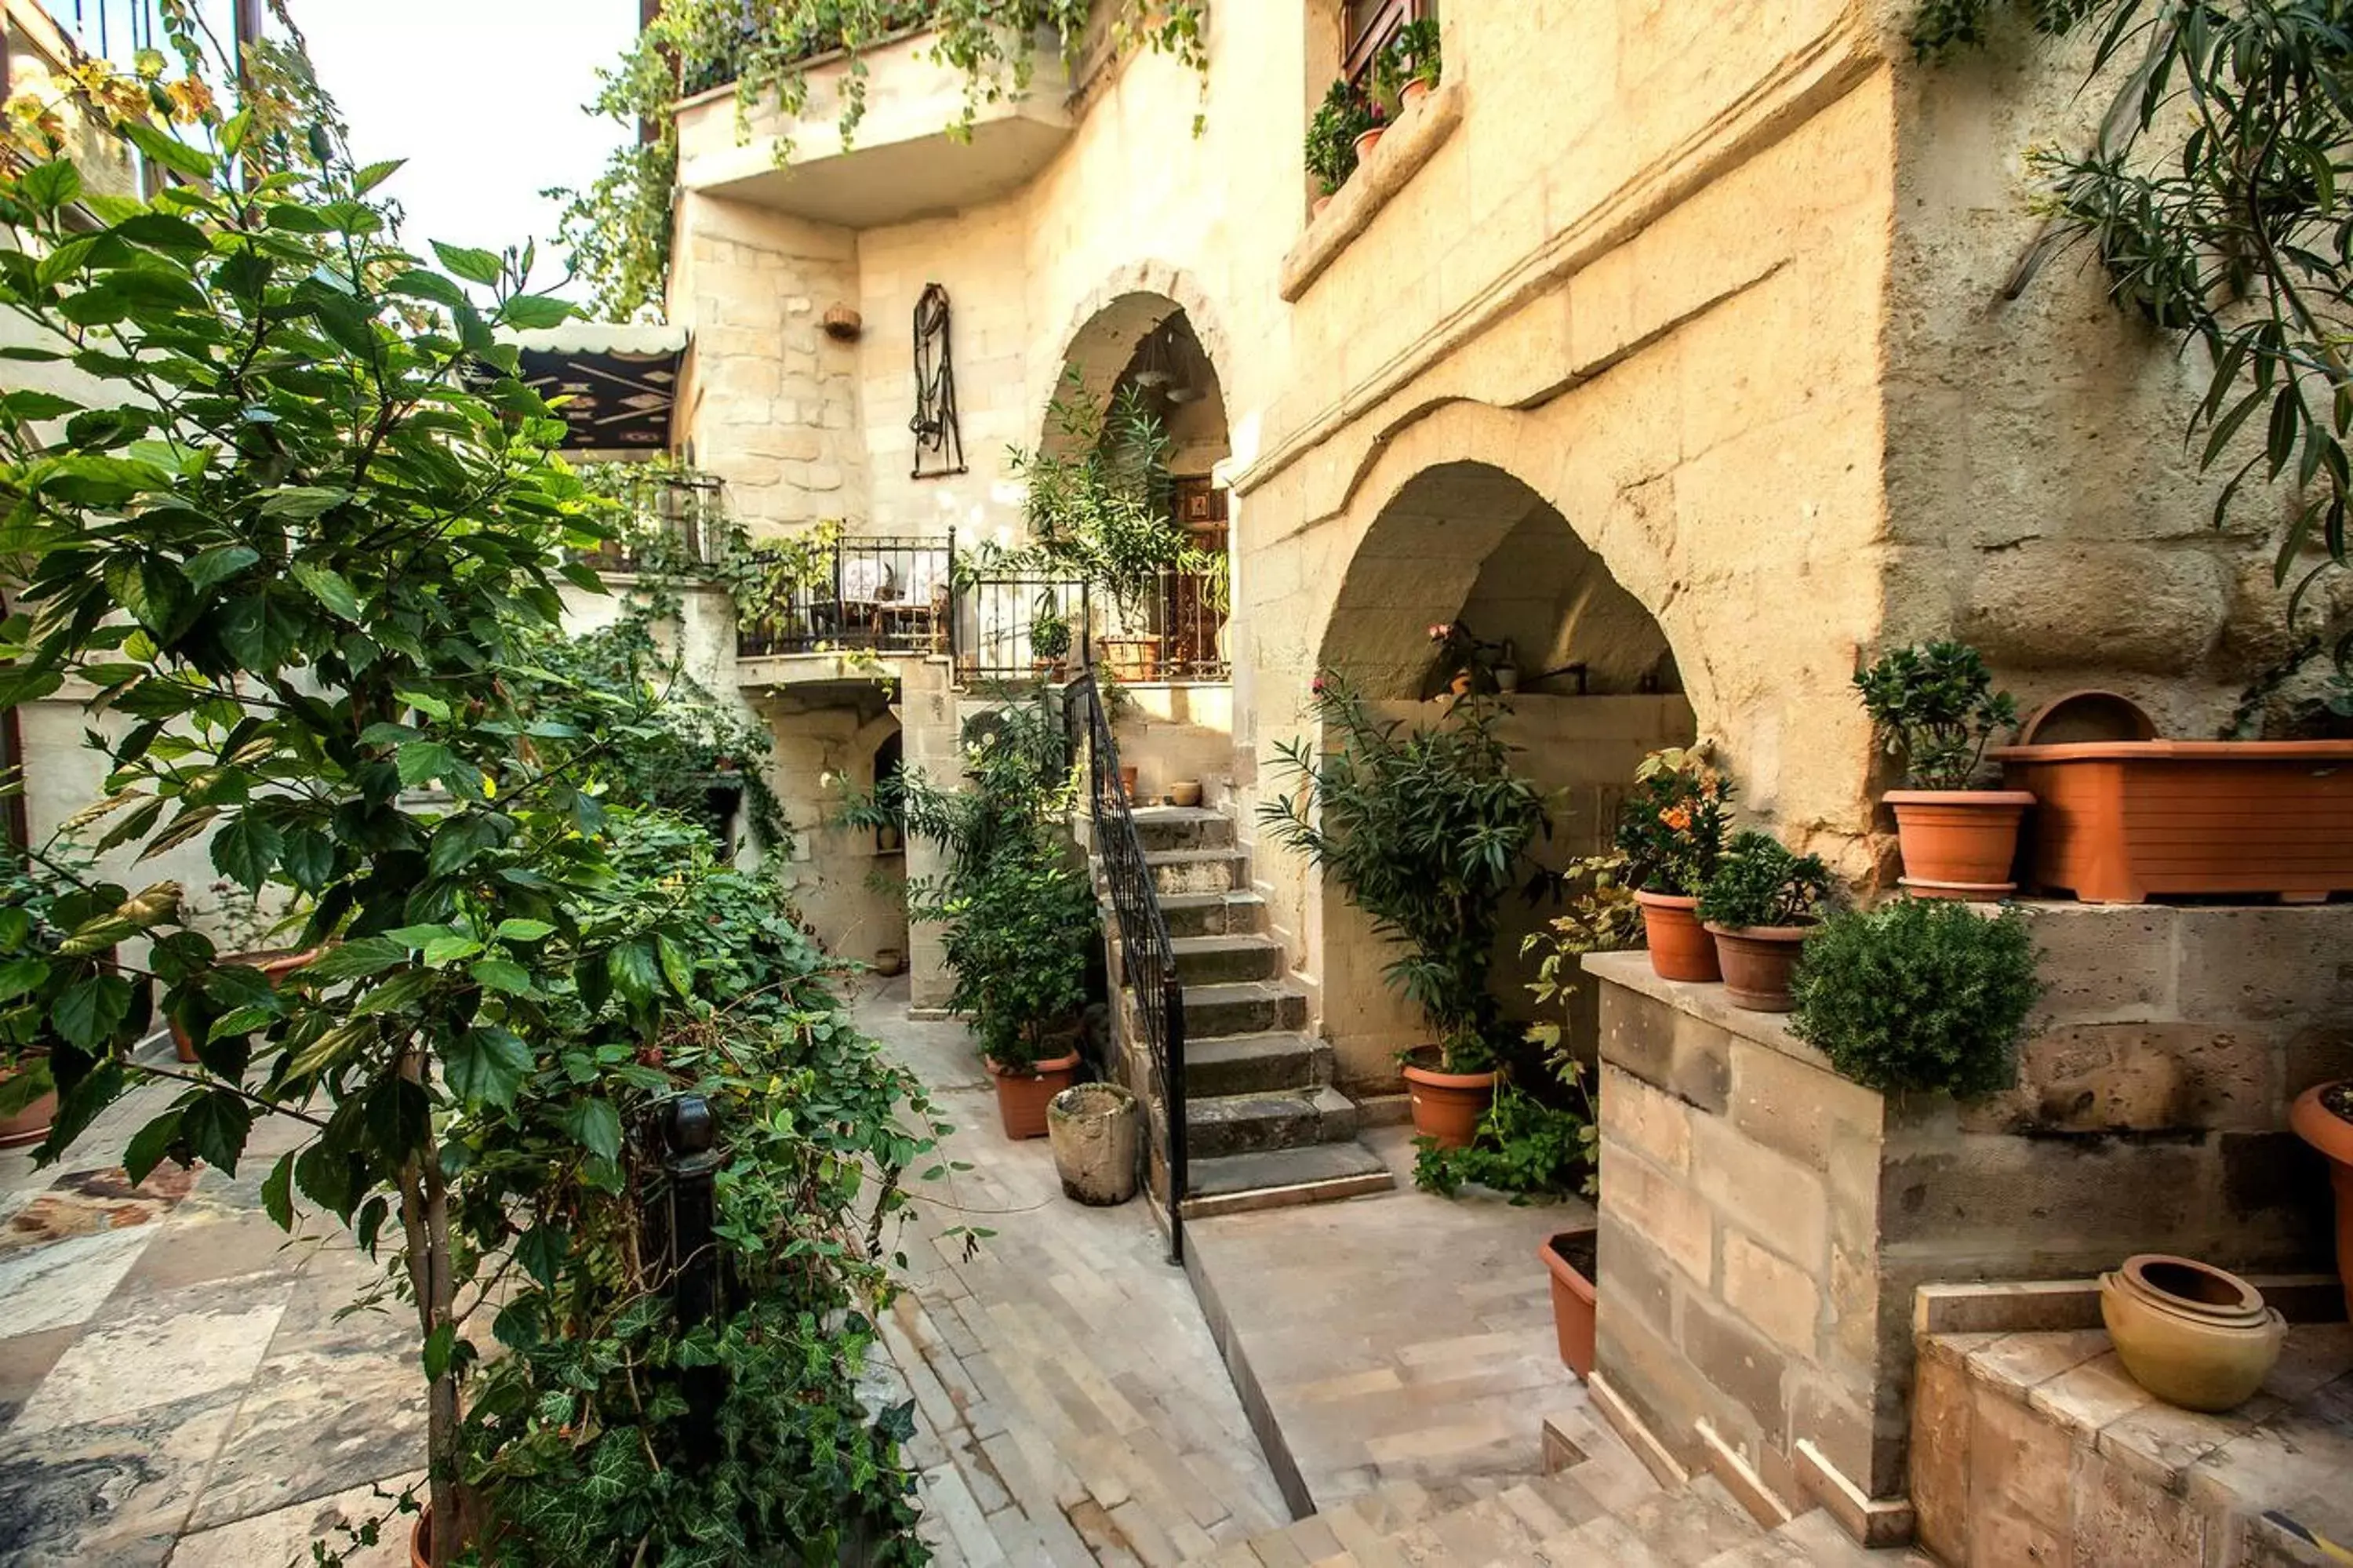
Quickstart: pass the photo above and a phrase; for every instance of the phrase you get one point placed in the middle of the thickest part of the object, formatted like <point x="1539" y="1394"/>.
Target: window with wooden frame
<point x="1367" y="27"/>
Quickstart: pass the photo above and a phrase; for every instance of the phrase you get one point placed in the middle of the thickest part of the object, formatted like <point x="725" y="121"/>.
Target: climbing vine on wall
<point x="2213" y="197"/>
<point x="618" y="229"/>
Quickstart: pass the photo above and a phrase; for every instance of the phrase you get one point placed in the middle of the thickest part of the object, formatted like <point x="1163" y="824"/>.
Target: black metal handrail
<point x="1147" y="959"/>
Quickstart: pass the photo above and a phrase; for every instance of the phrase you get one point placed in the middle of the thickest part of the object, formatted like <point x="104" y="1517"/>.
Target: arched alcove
<point x="1467" y="544"/>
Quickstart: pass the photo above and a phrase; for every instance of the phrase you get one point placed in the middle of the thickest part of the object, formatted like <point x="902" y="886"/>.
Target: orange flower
<point x="1679" y="818"/>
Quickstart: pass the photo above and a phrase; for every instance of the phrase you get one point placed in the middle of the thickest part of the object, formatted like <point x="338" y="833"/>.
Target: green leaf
<point x="374" y="175"/>
<point x="29" y="405"/>
<point x="422" y="761"/>
<point x="676" y="967"/>
<point x="541" y="1252"/>
<point x="278" y="1193"/>
<point x="149" y="1145"/>
<point x="596" y="1126"/>
<point x="21" y="975"/>
<point x="356" y="959"/>
<point x="474" y="266"/>
<point x="422" y="935"/>
<point x="218" y="565"/>
<point x="448" y="949"/>
<point x="247" y="850"/>
<point x="487" y="1067"/>
<point x="328" y="588"/>
<point x="50" y="186"/>
<point x="174" y="154"/>
<point x="529" y="312"/>
<point x="88" y="1013"/>
<point x="504" y="975"/>
<point x="402" y="990"/>
<point x="215" y="1128"/>
<point x="525" y="930"/>
<point x="439" y="1346"/>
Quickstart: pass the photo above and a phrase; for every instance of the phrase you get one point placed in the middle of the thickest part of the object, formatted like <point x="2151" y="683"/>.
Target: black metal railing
<point x="880" y="596"/>
<point x="1021" y="628"/>
<point x="1147" y="961"/>
<point x="678" y="520"/>
<point x="112" y="31"/>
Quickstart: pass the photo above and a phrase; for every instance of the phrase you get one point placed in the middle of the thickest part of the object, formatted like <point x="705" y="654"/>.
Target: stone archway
<point x="1465" y="542"/>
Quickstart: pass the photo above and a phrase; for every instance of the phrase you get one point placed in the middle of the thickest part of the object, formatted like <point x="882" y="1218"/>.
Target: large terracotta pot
<point x="277" y="966"/>
<point x="1133" y="658"/>
<point x="1680" y="948"/>
<point x="31" y="1124"/>
<point x="2119" y="822"/>
<point x="1366" y="141"/>
<point x="1569" y="1258"/>
<point x="2332" y="1134"/>
<point x="1447" y="1106"/>
<point x="1758" y="962"/>
<point x="1023" y="1094"/>
<point x="1959" y="843"/>
<point x="1411" y="94"/>
<point x="2192" y="1334"/>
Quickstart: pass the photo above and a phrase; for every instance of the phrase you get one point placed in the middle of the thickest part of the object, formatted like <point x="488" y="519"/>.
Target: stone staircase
<point x="1264" y="1125"/>
<point x="1602" y="1511"/>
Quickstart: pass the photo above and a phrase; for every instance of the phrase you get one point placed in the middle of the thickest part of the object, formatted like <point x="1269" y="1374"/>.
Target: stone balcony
<point x="909" y="158"/>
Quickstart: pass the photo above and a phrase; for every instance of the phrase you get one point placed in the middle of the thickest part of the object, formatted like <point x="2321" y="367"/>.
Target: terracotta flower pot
<point x="276" y="966"/>
<point x="889" y="961"/>
<point x="1569" y="1258"/>
<point x="1447" y="1106"/>
<point x="1412" y="93"/>
<point x="2190" y="1333"/>
<point x="1680" y="948"/>
<point x="1185" y="792"/>
<point x="2123" y="821"/>
<point x="1127" y="780"/>
<point x="2332" y="1134"/>
<point x="1317" y="207"/>
<point x="1758" y="962"/>
<point x="1023" y="1094"/>
<point x="1959" y="843"/>
<point x="1366" y="141"/>
<point x="31" y="1124"/>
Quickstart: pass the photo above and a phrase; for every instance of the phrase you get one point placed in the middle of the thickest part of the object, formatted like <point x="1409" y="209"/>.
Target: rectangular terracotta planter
<point x="1569" y="1258"/>
<point x="2121" y="821"/>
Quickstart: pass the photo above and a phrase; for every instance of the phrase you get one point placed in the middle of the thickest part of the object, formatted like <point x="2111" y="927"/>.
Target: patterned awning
<point x="618" y="382"/>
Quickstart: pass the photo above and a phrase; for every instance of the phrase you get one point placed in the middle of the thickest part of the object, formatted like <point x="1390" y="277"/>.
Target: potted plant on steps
<point x="1760" y="906"/>
<point x="1672" y="831"/>
<point x="2323" y="1117"/>
<point x="1425" y="829"/>
<point x="1936" y="707"/>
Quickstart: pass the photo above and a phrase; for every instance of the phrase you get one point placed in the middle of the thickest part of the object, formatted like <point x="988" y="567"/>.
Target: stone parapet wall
<point x="1765" y="1222"/>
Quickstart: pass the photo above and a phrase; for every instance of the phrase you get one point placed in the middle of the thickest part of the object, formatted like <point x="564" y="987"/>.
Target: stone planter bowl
<point x="1096" y="1133"/>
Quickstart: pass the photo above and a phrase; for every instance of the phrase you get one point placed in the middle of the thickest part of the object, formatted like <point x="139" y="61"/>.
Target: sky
<point x="483" y="98"/>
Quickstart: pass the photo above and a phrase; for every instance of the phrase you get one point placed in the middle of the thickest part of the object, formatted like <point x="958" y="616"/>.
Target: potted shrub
<point x="1409" y="69"/>
<point x="1049" y="643"/>
<point x="1935" y="707"/>
<point x="1672" y="831"/>
<point x="1375" y="122"/>
<point x="2323" y="1117"/>
<point x="1918" y="995"/>
<point x="1760" y="906"/>
<point x="1425" y="829"/>
<point x="1332" y="142"/>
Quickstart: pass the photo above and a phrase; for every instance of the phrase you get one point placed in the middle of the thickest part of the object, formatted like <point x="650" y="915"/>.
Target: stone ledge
<point x="1707" y="1002"/>
<point x="1404" y="148"/>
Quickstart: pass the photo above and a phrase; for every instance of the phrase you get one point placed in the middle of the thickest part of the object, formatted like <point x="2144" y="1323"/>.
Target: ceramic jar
<point x="2192" y="1334"/>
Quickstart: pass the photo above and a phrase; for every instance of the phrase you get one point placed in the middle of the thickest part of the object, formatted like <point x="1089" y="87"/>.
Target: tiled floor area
<point x="1398" y="1338"/>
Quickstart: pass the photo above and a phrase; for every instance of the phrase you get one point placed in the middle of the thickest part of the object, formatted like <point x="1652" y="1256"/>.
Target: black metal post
<point x="1172" y="1026"/>
<point x="690" y="1130"/>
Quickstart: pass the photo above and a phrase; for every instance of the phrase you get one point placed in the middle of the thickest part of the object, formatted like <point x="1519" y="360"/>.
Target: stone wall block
<point x="2314" y="1054"/>
<point x="1942" y="1413"/>
<point x="1669" y="1214"/>
<point x="1655" y="1123"/>
<point x="1776" y="1201"/>
<point x="2102" y="964"/>
<point x="1641" y="1278"/>
<point x="2080" y="1200"/>
<point x="1740" y="1362"/>
<point x="2117" y="1517"/>
<point x="2263" y="961"/>
<point x="1797" y="1108"/>
<point x="2138" y="1077"/>
<point x="1774" y="1294"/>
<point x="2048" y="604"/>
<point x="1683" y="1055"/>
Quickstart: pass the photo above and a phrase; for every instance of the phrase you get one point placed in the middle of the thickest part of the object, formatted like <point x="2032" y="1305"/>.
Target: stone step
<point x="1319" y="1173"/>
<point x="1225" y="914"/>
<point x="1277" y="1118"/>
<point x="1250" y="1064"/>
<point x="1182" y="828"/>
<point x="1198" y="870"/>
<point x="1242" y="1007"/>
<point x="1218" y="960"/>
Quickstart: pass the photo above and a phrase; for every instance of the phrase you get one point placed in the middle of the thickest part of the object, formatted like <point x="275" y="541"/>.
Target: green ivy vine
<point x="618" y="229"/>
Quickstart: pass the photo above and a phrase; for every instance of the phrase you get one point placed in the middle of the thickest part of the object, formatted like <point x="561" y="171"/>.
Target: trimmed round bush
<point x="1919" y="993"/>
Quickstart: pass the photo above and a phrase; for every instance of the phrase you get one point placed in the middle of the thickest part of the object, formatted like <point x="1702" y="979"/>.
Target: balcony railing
<point x="679" y="520"/>
<point x="1004" y="618"/>
<point x="114" y="30"/>
<point x="883" y="596"/>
